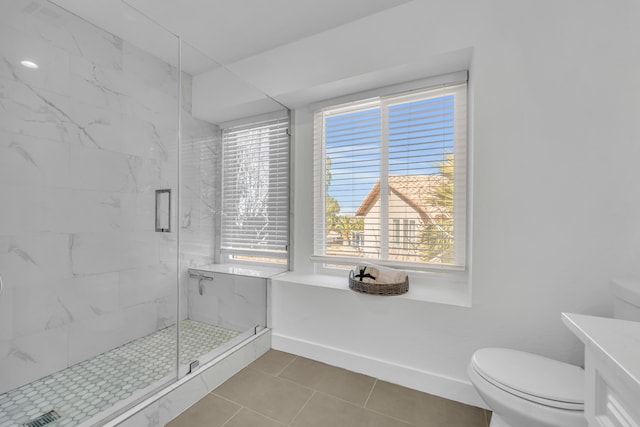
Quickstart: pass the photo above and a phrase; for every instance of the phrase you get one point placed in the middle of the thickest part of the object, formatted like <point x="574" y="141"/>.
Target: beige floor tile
<point x="487" y="416"/>
<point x="247" y="418"/>
<point x="338" y="382"/>
<point x="269" y="395"/>
<point x="324" y="410"/>
<point x="421" y="409"/>
<point x="273" y="362"/>
<point x="210" y="411"/>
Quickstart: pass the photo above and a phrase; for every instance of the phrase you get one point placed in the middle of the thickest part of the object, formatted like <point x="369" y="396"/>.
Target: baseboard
<point x="407" y="376"/>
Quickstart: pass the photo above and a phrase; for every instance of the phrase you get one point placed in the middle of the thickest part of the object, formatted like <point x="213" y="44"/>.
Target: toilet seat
<point x="535" y="378"/>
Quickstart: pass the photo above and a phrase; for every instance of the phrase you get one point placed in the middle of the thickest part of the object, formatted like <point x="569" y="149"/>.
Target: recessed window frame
<point x="325" y="263"/>
<point x="229" y="253"/>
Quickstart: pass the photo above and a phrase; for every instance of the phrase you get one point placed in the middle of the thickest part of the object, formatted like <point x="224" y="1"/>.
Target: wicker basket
<point x="377" y="288"/>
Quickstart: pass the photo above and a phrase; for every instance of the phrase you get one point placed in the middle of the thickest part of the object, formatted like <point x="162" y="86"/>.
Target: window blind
<point x="255" y="190"/>
<point x="390" y="180"/>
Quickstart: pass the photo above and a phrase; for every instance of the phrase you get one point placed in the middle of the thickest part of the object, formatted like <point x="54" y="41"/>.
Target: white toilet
<point x="527" y="390"/>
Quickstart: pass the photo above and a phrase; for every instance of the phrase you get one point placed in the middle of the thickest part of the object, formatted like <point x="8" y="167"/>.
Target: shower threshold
<point x="127" y="373"/>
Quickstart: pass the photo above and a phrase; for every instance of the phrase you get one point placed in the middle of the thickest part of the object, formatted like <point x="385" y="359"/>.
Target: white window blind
<point x="255" y="191"/>
<point x="390" y="180"/>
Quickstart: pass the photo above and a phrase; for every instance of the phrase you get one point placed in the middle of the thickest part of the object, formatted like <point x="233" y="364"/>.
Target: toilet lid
<point x="532" y="377"/>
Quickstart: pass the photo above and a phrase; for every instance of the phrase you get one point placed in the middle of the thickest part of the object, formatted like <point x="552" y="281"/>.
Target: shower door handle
<point x="163" y="211"/>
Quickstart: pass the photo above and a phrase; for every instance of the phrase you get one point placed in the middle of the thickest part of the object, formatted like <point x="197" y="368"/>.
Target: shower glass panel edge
<point x="217" y="311"/>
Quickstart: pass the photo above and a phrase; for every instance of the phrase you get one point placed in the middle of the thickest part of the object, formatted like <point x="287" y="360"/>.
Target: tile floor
<point x="81" y="391"/>
<point x="281" y="389"/>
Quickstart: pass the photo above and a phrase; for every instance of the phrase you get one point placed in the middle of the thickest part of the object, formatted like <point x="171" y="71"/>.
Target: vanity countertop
<point x="615" y="342"/>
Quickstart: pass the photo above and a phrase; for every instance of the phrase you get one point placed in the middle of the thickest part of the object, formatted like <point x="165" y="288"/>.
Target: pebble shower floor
<point x="83" y="390"/>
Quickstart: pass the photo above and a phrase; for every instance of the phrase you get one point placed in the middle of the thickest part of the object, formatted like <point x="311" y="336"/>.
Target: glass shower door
<point x="88" y="133"/>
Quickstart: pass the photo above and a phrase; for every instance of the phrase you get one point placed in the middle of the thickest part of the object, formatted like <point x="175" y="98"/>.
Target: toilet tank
<point x="626" y="299"/>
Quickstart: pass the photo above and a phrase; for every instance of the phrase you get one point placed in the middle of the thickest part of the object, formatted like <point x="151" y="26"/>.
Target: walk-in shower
<point x="109" y="195"/>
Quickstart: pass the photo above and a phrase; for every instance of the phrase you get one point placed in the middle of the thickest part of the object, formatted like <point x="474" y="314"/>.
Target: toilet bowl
<point x="527" y="390"/>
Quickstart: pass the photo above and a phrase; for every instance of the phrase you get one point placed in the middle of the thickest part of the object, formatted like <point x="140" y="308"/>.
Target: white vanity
<point x="612" y="369"/>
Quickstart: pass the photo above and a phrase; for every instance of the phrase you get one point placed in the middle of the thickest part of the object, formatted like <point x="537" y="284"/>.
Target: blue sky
<point x="420" y="135"/>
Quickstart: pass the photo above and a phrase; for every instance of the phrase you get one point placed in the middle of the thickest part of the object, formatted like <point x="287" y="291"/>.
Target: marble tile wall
<point x="230" y="301"/>
<point x="85" y="140"/>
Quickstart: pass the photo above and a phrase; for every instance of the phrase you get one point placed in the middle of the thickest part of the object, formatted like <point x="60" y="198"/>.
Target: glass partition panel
<point x="88" y="133"/>
<point x="219" y="308"/>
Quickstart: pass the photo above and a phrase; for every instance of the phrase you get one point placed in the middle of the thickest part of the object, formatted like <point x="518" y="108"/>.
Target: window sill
<point x="426" y="288"/>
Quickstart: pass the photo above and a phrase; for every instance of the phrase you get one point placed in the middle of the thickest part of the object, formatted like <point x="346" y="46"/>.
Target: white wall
<point x="555" y="101"/>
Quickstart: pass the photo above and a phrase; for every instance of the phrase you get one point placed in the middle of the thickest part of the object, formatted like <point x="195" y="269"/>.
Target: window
<point x="408" y="238"/>
<point x="395" y="237"/>
<point x="390" y="175"/>
<point x="255" y="191"/>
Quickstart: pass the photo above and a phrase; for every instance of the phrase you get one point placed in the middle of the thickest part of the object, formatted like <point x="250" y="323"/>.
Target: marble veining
<point x="22" y="254"/>
<point x="23" y="153"/>
<point x="51" y="110"/>
<point x="14" y="352"/>
<point x="237" y="302"/>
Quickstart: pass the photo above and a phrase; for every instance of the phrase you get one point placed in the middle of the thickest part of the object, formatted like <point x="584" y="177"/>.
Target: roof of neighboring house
<point x="415" y="190"/>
